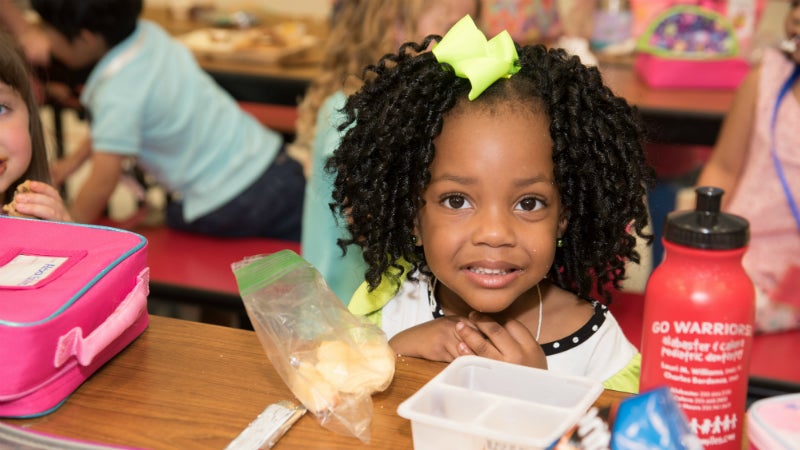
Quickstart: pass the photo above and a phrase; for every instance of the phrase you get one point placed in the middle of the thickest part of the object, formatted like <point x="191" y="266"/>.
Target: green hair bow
<point x="480" y="61"/>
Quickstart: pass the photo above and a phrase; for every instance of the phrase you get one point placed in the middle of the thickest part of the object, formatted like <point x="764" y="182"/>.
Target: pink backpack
<point x="71" y="297"/>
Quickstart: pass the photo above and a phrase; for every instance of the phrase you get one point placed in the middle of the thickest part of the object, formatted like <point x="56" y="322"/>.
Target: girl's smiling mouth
<point x="486" y="271"/>
<point x="492" y="276"/>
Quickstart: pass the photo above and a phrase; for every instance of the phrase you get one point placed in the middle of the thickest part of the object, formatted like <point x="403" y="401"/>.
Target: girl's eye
<point x="455" y="202"/>
<point x="3" y="108"/>
<point x="530" y="204"/>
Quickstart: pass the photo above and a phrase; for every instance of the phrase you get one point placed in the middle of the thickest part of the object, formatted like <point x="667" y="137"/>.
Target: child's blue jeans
<point x="271" y="207"/>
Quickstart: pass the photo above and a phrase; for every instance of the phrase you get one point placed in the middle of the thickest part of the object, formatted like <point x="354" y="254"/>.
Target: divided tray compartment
<point x="482" y="403"/>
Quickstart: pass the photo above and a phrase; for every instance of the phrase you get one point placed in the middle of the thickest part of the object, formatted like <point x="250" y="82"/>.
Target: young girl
<point x="24" y="175"/>
<point x="358" y="37"/>
<point x="487" y="217"/>
<point x="756" y="160"/>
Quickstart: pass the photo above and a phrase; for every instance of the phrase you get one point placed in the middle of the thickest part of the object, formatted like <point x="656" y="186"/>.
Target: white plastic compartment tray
<point x="477" y="403"/>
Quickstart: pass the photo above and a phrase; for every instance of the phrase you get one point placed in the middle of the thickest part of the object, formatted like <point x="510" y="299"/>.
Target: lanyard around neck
<point x="787" y="86"/>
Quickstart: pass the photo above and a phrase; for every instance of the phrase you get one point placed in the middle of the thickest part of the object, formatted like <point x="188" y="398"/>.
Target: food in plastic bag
<point x="331" y="360"/>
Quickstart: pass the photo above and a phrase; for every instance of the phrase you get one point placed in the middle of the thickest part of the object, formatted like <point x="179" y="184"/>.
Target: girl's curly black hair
<point x="382" y="163"/>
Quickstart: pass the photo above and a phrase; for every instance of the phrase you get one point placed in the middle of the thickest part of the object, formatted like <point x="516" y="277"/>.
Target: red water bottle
<point x="698" y="320"/>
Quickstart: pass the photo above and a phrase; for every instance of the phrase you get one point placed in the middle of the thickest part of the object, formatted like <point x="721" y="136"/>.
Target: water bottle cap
<point x="706" y="227"/>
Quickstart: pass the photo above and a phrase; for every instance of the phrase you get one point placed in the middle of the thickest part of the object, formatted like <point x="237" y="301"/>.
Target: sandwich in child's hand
<point x="11" y="208"/>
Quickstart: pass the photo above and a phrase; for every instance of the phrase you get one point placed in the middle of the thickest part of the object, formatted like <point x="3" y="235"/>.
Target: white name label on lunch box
<point x="28" y="270"/>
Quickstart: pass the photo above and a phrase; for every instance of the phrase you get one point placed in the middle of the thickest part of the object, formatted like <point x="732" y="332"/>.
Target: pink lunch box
<point x="773" y="423"/>
<point x="71" y="297"/>
<point x="667" y="73"/>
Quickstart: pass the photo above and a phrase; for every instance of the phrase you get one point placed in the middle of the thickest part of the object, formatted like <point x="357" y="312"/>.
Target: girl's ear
<point x="416" y="238"/>
<point x="563" y="221"/>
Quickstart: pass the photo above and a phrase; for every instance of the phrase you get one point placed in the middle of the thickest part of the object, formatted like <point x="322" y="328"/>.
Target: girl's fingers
<point x="520" y="333"/>
<point x="512" y="342"/>
<point x="43" y="188"/>
<point x="44" y="203"/>
<point x="494" y="332"/>
<point x="474" y="342"/>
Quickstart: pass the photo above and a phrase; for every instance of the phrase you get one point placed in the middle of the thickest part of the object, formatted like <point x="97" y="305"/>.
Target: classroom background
<point x="134" y="204"/>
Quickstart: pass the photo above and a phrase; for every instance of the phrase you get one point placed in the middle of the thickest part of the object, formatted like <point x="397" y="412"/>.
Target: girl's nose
<point x="494" y="227"/>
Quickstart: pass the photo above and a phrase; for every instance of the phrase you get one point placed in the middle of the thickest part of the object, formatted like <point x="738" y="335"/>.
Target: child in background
<point x="32" y="39"/>
<point x="488" y="217"/>
<point x="358" y="38"/>
<point x="750" y="154"/>
<point x="148" y="99"/>
<point x="24" y="176"/>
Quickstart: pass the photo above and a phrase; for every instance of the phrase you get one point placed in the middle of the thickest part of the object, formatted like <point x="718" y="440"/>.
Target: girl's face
<point x="492" y="211"/>
<point x="15" y="138"/>
<point x="792" y="25"/>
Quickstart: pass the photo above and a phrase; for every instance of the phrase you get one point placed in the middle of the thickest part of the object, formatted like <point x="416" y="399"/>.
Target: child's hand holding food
<point x="35" y="199"/>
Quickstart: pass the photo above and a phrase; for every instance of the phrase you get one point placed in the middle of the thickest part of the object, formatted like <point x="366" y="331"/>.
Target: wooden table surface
<point x="303" y="66"/>
<point x="624" y="82"/>
<point x="184" y="385"/>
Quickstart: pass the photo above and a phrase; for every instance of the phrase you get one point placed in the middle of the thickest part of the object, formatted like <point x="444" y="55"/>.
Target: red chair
<point x="195" y="268"/>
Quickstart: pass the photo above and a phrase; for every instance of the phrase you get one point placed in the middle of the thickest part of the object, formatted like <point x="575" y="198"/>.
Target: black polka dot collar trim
<point x="584" y="333"/>
<point x="555" y="347"/>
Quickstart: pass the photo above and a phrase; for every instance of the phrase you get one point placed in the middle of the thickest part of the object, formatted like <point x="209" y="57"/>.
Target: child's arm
<point x="511" y="342"/>
<point x="435" y="340"/>
<point x="95" y="192"/>
<point x="64" y="167"/>
<point x="32" y="39"/>
<point x="726" y="164"/>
